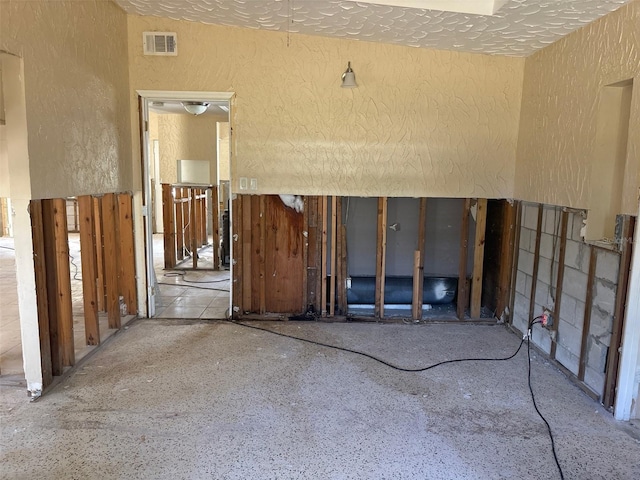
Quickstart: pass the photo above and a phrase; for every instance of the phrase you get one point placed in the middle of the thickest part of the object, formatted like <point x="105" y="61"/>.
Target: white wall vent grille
<point x="160" y="43"/>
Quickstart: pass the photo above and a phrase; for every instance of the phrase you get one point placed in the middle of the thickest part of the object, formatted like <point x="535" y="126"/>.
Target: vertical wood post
<point x="180" y="230"/>
<point x="323" y="261"/>
<point x="263" y="246"/>
<point x="215" y="214"/>
<point x="127" y="255"/>
<point x="99" y="244"/>
<point x="169" y="226"/>
<point x="89" y="270"/>
<point x="418" y="262"/>
<point x="333" y="263"/>
<point x="514" y="258"/>
<point x="246" y="251"/>
<point x="111" y="252"/>
<point x="478" y="257"/>
<point x="381" y="257"/>
<point x="194" y="225"/>
<point x="237" y="260"/>
<point x="39" y="241"/>
<point x="463" y="293"/>
<point x="506" y="256"/>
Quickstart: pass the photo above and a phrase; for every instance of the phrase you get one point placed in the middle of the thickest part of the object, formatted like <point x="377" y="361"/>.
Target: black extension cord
<point x="526" y="337"/>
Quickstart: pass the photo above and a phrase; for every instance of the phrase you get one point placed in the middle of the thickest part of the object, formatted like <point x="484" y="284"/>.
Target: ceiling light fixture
<point x="349" y="78"/>
<point x="195" y="108"/>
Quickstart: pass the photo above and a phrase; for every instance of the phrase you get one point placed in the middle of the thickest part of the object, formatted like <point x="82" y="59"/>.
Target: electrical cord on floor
<point x="193" y="286"/>
<point x="526" y="338"/>
<point x="184" y="279"/>
<point x="7" y="248"/>
<point x="75" y="275"/>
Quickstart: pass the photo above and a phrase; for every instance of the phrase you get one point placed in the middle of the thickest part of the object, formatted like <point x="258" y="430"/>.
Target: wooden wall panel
<point x="111" y="253"/>
<point x="283" y="257"/>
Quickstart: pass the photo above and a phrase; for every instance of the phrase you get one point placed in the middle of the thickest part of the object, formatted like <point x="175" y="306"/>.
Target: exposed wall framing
<point x="583" y="285"/>
<point x="185" y="217"/>
<point x="107" y="263"/>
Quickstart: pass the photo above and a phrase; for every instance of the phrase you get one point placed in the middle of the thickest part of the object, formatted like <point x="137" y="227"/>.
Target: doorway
<point x="186" y="147"/>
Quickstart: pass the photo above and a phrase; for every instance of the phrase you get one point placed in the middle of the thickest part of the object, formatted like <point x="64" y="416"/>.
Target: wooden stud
<point x="478" y="257"/>
<point x="506" y="256"/>
<point x="338" y="265"/>
<point x="127" y="262"/>
<point x="588" y="305"/>
<point x="323" y="261"/>
<point x="237" y="261"/>
<point x="169" y="226"/>
<point x="344" y="304"/>
<point x="306" y="298"/>
<point x="180" y="230"/>
<point x="246" y="251"/>
<point x="111" y="252"/>
<point x="63" y="284"/>
<point x="215" y="226"/>
<point x="100" y="261"/>
<point x="89" y="270"/>
<point x="418" y="262"/>
<point x="263" y="246"/>
<point x="463" y="293"/>
<point x="257" y="254"/>
<point x="381" y="257"/>
<point x="40" y="268"/>
<point x="332" y="259"/>
<point x="313" y="246"/>
<point x="559" y="281"/>
<point x="536" y="264"/>
<point x="619" y="312"/>
<point x="193" y="224"/>
<point x="416" y="306"/>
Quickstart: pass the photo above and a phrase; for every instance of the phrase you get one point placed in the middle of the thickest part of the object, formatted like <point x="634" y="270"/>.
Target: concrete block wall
<point x="574" y="294"/>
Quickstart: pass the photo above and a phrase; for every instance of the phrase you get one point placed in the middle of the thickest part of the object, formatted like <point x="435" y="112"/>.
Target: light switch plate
<point x="243" y="183"/>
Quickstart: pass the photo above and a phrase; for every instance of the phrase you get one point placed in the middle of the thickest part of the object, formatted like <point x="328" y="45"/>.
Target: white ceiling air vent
<point x="160" y="43"/>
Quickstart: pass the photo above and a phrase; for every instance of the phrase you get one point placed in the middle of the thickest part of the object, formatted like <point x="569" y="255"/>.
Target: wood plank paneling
<point x="112" y="253"/>
<point x="283" y="257"/>
<point x="463" y="293"/>
<point x="89" y="270"/>
<point x="262" y="246"/>
<point x="478" y="257"/>
<point x="381" y="257"/>
<point x="40" y="267"/>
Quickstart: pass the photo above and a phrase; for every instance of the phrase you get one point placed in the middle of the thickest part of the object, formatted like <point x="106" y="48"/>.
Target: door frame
<point x="147" y="289"/>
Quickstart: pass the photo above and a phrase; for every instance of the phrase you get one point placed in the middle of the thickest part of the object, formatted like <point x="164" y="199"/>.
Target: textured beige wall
<point x="422" y="122"/>
<point x="76" y="82"/>
<point x="560" y="107"/>
<point x="185" y="137"/>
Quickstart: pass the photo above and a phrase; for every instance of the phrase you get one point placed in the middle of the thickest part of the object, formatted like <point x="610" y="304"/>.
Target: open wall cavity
<point x="419" y="258"/>
<point x="584" y="287"/>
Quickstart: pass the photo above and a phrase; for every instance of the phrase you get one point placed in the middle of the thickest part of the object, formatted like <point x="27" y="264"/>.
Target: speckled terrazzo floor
<point x="179" y="400"/>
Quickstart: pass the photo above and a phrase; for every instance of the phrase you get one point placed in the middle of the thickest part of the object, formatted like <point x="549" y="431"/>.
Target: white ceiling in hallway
<point x="519" y="27"/>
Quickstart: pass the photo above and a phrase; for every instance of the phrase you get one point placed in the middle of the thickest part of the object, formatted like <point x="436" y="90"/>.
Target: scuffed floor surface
<point x="169" y="400"/>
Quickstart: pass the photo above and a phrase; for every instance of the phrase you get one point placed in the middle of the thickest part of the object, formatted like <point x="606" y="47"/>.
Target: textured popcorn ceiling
<point x="519" y="28"/>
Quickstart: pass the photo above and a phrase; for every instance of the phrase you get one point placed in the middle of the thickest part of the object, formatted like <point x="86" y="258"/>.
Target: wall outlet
<point x="243" y="183"/>
<point x="547" y="318"/>
<point x="253" y="184"/>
